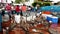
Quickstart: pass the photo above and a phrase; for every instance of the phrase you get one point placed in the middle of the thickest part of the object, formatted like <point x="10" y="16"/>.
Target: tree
<point x="35" y="3"/>
<point x="18" y="1"/>
<point x="41" y="4"/>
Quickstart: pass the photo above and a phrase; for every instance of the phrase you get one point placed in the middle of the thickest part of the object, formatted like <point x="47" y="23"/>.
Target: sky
<point x="55" y="1"/>
<point x="51" y="0"/>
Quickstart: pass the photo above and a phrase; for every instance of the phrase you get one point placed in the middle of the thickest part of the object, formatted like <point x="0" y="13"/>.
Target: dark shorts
<point x="13" y="12"/>
<point x="18" y="12"/>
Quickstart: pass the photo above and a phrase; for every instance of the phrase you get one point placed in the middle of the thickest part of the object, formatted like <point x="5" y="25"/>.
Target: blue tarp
<point x="51" y="8"/>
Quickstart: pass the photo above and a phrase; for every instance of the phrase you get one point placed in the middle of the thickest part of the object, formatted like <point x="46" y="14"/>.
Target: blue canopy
<point x="51" y="8"/>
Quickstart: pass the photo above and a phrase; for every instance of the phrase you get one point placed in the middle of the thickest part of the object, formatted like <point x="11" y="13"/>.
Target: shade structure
<point x="53" y="8"/>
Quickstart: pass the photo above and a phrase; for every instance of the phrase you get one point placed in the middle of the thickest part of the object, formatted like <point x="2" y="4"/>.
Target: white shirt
<point x="17" y="18"/>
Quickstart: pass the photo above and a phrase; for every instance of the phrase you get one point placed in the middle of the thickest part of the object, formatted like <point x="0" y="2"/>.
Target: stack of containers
<point x="53" y="19"/>
<point x="49" y="17"/>
<point x="46" y="13"/>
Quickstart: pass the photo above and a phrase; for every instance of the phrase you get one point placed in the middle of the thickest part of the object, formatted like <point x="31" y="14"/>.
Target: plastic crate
<point x="53" y="19"/>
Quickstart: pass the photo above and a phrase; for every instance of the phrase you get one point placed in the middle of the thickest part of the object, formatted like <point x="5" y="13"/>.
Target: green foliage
<point x="41" y="4"/>
<point x="47" y="4"/>
<point x="34" y="4"/>
<point x="18" y="1"/>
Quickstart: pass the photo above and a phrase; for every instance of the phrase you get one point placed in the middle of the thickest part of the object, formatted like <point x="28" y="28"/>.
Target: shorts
<point x="13" y="12"/>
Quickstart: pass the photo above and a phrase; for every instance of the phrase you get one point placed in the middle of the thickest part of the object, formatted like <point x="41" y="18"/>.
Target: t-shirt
<point x="23" y="8"/>
<point x="17" y="9"/>
<point x="8" y="7"/>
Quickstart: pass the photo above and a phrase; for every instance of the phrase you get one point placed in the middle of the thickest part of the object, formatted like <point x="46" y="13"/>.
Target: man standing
<point x="37" y="7"/>
<point x="24" y="8"/>
<point x="8" y="9"/>
<point x="17" y="8"/>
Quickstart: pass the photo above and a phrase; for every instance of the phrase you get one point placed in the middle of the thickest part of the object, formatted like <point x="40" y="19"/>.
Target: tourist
<point x="8" y="8"/>
<point x="24" y="8"/>
<point x="17" y="8"/>
<point x="13" y="10"/>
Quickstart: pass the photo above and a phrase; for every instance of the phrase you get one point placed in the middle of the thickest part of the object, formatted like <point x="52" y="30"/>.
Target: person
<point x="32" y="9"/>
<point x="5" y="18"/>
<point x="13" y="10"/>
<point x="37" y="8"/>
<point x="8" y="9"/>
<point x="29" y="10"/>
<point x="1" y="30"/>
<point x="24" y="8"/>
<point x="3" y="12"/>
<point x="17" y="18"/>
<point x="17" y="8"/>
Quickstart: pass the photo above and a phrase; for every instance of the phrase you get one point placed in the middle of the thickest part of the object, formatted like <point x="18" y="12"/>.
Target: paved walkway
<point x="21" y="31"/>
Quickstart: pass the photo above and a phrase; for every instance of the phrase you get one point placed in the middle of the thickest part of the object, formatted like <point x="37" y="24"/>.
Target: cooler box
<point x="54" y="19"/>
<point x="48" y="18"/>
